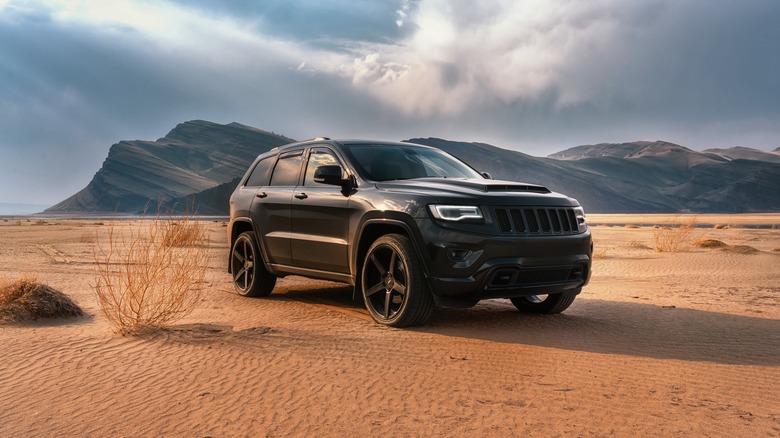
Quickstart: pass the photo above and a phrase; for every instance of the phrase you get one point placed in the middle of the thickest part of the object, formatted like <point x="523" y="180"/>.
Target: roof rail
<point x="318" y="139"/>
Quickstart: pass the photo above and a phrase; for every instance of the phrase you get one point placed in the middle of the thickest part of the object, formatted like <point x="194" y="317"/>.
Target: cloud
<point x="402" y="12"/>
<point x="654" y="56"/>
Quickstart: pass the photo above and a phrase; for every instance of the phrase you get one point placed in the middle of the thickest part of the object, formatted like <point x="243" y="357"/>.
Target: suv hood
<point x="443" y="189"/>
<point x="462" y="185"/>
<point x="479" y="191"/>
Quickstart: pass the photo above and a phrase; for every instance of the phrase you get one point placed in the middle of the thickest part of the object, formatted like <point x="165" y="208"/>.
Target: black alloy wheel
<point x="250" y="277"/>
<point x="394" y="289"/>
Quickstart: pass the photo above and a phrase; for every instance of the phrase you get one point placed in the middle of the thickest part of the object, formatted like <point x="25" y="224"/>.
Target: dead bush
<point x="185" y="231"/>
<point x="710" y="244"/>
<point x="638" y="245"/>
<point x="743" y="249"/>
<point x="25" y="298"/>
<point x="87" y="237"/>
<point x="150" y="272"/>
<point x="632" y="226"/>
<point x="673" y="236"/>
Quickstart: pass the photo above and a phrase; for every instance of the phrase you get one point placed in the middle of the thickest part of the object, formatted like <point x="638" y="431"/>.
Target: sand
<point x="658" y="344"/>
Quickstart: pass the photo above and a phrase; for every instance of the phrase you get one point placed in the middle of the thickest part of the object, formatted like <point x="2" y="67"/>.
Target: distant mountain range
<point x="201" y="162"/>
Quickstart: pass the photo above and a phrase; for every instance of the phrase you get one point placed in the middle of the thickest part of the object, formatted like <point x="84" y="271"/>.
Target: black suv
<point x="409" y="226"/>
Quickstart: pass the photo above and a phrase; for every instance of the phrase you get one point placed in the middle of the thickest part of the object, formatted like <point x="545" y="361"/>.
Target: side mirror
<point x="486" y="175"/>
<point x="331" y="174"/>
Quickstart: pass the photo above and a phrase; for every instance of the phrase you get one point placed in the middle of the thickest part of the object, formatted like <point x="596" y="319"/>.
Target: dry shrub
<point x="87" y="237"/>
<point x="638" y="245"/>
<point x="39" y="222"/>
<point x="777" y="248"/>
<point x="631" y="226"/>
<point x="710" y="244"/>
<point x="742" y="249"/>
<point x="600" y="253"/>
<point x="673" y="236"/>
<point x="185" y="231"/>
<point x="25" y="298"/>
<point x="149" y="272"/>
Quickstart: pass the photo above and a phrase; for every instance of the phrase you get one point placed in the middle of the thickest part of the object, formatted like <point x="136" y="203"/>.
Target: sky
<point x="537" y="76"/>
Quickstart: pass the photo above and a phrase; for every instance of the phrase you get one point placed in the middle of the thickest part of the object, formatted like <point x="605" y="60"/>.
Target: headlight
<point x="579" y="212"/>
<point x="456" y="213"/>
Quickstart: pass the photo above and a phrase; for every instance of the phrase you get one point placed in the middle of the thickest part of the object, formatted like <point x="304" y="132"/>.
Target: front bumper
<point x="470" y="267"/>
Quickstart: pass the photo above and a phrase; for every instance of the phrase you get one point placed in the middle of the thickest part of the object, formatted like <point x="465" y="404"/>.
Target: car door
<point x="270" y="209"/>
<point x="320" y="219"/>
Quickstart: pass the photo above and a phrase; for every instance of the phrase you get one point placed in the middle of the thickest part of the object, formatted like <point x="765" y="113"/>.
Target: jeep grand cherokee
<point x="408" y="226"/>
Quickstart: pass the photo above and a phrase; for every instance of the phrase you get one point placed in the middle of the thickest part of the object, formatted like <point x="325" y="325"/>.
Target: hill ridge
<point x="203" y="161"/>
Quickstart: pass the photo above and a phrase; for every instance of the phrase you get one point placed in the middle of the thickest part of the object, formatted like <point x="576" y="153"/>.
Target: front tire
<point x="545" y="304"/>
<point x="250" y="277"/>
<point x="392" y="282"/>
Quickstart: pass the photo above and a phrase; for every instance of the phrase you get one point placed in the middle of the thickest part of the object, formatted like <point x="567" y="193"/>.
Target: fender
<point x="398" y="219"/>
<point x="251" y="223"/>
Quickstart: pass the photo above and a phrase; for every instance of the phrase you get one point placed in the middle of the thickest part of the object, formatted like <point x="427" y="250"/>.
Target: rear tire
<point x="393" y="285"/>
<point x="545" y="304"/>
<point x="250" y="277"/>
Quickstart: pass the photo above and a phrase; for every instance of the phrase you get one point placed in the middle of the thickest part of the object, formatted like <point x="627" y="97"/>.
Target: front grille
<point x="537" y="220"/>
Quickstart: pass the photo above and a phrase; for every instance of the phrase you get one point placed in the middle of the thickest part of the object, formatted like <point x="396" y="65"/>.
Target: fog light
<point x="457" y="254"/>
<point x="503" y="277"/>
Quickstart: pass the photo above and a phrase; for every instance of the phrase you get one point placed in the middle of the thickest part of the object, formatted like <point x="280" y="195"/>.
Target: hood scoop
<point x="516" y="188"/>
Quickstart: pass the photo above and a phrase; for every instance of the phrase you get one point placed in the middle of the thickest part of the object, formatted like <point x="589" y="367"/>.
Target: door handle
<point x="301" y="195"/>
<point x="262" y="195"/>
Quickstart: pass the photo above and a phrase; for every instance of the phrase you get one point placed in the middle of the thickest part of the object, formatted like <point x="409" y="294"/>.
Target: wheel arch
<point x="238" y="226"/>
<point x="373" y="229"/>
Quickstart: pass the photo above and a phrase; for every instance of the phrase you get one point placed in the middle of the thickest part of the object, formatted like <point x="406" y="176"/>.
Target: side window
<point x="318" y="157"/>
<point x="259" y="176"/>
<point x="287" y="170"/>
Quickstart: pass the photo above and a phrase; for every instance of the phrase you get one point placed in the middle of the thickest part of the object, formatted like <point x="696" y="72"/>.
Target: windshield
<point x="385" y="162"/>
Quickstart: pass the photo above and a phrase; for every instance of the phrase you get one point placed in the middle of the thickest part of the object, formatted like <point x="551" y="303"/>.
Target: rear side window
<point x="287" y="170"/>
<point x="259" y="176"/>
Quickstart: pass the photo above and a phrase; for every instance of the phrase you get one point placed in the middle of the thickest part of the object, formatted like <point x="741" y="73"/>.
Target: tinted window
<point x="318" y="157"/>
<point x="259" y="176"/>
<point x="287" y="170"/>
<point x="383" y="162"/>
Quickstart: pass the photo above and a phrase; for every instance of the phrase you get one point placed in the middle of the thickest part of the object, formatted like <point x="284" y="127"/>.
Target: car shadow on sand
<point x="600" y="326"/>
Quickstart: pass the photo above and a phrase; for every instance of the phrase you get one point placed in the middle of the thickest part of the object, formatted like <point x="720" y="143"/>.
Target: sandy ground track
<point x="659" y="344"/>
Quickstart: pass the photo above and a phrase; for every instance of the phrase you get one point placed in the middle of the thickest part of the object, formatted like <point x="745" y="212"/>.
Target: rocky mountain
<point x="743" y="153"/>
<point x="193" y="157"/>
<point x="635" y="177"/>
<point x="199" y="164"/>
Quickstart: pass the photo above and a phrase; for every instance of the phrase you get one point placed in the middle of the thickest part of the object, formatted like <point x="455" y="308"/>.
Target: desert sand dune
<point x="659" y="344"/>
